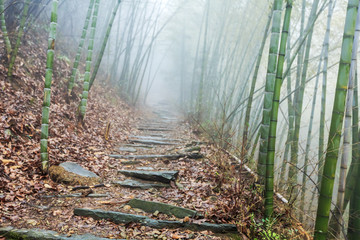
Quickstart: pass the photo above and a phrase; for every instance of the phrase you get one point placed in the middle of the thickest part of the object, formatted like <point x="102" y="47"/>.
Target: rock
<point x="72" y="173"/>
<point x="130" y="162"/>
<point x="142" y="146"/>
<point x="118" y="217"/>
<point x="127" y="149"/>
<point x="163" y="139"/>
<point x="115" y="217"/>
<point x="145" y="168"/>
<point x="76" y="195"/>
<point x="154" y="129"/>
<point x="152" y="207"/>
<point x="137" y="184"/>
<point x="160" y="156"/>
<point x="150" y="142"/>
<point x="38" y="234"/>
<point x="161" y="176"/>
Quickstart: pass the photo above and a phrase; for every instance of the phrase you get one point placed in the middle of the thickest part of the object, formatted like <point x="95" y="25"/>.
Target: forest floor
<point x="214" y="185"/>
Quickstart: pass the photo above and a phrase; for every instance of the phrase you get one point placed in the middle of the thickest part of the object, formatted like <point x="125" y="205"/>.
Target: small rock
<point x="72" y="173"/>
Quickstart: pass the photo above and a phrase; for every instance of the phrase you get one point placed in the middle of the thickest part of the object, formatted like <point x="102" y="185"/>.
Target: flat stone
<point x="145" y="168"/>
<point x="73" y="173"/>
<point x="151" y="207"/>
<point x="140" y="184"/>
<point x="77" y="169"/>
<point x="163" y="139"/>
<point x="118" y="217"/>
<point x="161" y="176"/>
<point x="127" y="149"/>
<point x="143" y="146"/>
<point x="192" y="155"/>
<point x="76" y="195"/>
<point x="38" y="234"/>
<point x="154" y="129"/>
<point x="150" y="142"/>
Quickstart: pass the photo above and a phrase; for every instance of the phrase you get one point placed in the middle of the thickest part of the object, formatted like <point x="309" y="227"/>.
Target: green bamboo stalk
<point x="252" y="89"/>
<point x="19" y="37"/>
<point x="105" y="41"/>
<point x="269" y="89"/>
<point x="325" y="48"/>
<point x="323" y="92"/>
<point x="300" y="57"/>
<point x="269" y="182"/>
<point x="354" y="212"/>
<point x="85" y="93"/>
<point x="4" y="30"/>
<point x="80" y="47"/>
<point x="354" y="219"/>
<point x="298" y="101"/>
<point x="309" y="138"/>
<point x="327" y="180"/>
<point x="291" y="120"/>
<point x="352" y="175"/>
<point x="47" y="90"/>
<point x="335" y="226"/>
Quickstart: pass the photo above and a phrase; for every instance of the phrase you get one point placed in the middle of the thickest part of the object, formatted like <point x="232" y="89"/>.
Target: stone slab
<point x="77" y="169"/>
<point x="160" y="176"/>
<point x="151" y="207"/>
<point x="38" y="234"/>
<point x="118" y="217"/>
<point x="137" y="184"/>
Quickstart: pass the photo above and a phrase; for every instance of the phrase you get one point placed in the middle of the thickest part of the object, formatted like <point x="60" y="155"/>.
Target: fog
<point x="199" y="56"/>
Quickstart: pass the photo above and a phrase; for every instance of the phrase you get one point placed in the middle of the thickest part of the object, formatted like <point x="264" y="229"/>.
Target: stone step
<point x="76" y="195"/>
<point x="38" y="234"/>
<point x="144" y="146"/>
<point x="151" y="207"/>
<point x="159" y="176"/>
<point x="140" y="184"/>
<point x="150" y="142"/>
<point x="126" y="149"/>
<point x="154" y="129"/>
<point x="155" y="138"/>
<point x="159" y="156"/>
<point x="124" y="218"/>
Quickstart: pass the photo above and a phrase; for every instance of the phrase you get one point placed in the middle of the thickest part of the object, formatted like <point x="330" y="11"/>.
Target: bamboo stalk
<point x="80" y="47"/>
<point x="47" y="90"/>
<point x="327" y="181"/>
<point x="269" y="89"/>
<point x="18" y="40"/>
<point x="269" y="181"/>
<point x="105" y="41"/>
<point x="85" y="93"/>
<point x="4" y="30"/>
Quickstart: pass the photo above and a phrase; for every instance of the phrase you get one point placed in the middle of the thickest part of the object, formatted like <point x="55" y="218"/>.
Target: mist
<point x="258" y="79"/>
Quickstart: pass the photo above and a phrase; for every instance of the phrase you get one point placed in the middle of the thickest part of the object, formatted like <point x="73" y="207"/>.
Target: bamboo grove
<point x="273" y="82"/>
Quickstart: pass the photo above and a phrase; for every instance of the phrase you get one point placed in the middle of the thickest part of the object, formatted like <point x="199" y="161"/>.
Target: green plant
<point x="263" y="229"/>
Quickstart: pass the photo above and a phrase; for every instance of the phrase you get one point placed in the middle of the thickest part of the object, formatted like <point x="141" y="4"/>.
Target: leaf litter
<point x="206" y="185"/>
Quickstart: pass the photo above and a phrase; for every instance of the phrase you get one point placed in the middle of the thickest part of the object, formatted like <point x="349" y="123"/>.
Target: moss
<point x="59" y="174"/>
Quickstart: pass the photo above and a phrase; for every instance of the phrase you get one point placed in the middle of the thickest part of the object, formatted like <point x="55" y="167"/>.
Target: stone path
<point x="145" y="182"/>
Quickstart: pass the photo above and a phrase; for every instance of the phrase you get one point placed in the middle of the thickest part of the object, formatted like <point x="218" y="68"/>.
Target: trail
<point x="157" y="184"/>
